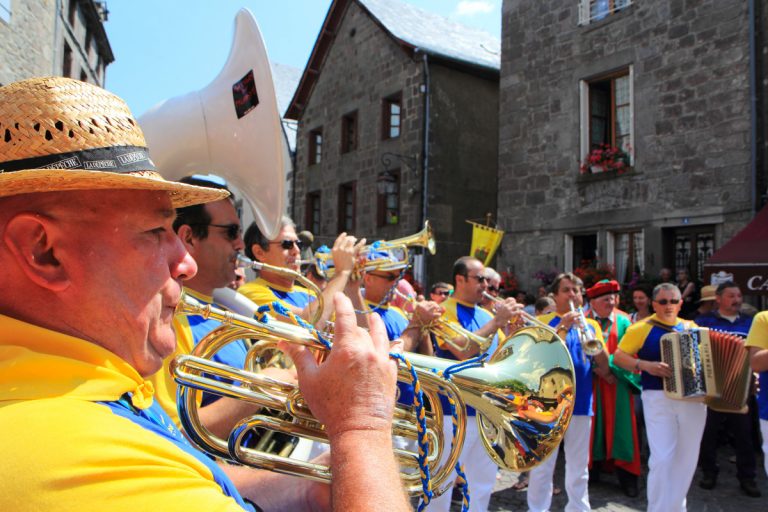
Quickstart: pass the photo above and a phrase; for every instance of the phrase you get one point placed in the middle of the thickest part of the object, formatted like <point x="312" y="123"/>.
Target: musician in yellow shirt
<point x="674" y="427"/>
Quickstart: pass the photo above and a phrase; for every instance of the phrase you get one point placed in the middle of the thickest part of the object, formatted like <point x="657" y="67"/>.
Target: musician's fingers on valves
<point x="345" y="251"/>
<point x="506" y="310"/>
<point x="426" y="311"/>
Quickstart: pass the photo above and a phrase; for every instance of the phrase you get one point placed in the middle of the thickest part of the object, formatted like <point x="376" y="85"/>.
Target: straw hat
<point x="60" y="134"/>
<point x="708" y="292"/>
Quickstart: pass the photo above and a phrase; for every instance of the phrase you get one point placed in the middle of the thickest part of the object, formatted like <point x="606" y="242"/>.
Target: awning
<point x="744" y="259"/>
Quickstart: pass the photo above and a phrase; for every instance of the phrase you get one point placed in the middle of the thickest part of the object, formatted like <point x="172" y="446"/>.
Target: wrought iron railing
<point x="595" y="10"/>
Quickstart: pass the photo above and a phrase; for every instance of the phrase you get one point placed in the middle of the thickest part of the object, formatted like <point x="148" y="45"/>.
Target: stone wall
<point x="363" y="66"/>
<point x="27" y="40"/>
<point x="689" y="62"/>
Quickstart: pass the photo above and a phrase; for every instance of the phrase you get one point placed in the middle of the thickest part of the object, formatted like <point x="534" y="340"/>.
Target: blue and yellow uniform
<point x="643" y="338"/>
<point x="263" y="292"/>
<point x="582" y="365"/>
<point x="81" y="430"/>
<point x="189" y="331"/>
<point x="395" y="322"/>
<point x="758" y="338"/>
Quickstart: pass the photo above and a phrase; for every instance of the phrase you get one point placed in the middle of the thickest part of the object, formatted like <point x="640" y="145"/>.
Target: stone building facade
<point x="665" y="81"/>
<point x="392" y="133"/>
<point x="53" y="37"/>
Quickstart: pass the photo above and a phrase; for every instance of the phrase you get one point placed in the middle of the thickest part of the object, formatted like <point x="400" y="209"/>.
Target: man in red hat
<point x="614" y="430"/>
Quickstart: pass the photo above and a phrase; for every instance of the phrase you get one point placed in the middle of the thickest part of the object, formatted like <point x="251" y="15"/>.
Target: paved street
<point x="606" y="495"/>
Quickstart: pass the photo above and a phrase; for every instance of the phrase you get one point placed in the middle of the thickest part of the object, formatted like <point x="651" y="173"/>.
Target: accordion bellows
<point x="709" y="366"/>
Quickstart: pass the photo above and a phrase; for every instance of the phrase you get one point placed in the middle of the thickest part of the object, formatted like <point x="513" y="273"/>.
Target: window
<point x="580" y="251"/>
<point x="388" y="198"/>
<point x="5" y="10"/>
<point x="607" y="113"/>
<point x="689" y="248"/>
<point x="595" y="10"/>
<point x="628" y="254"/>
<point x="72" y="12"/>
<point x="312" y="220"/>
<point x="391" y="116"/>
<point x="66" y="69"/>
<point x="315" y="146"/>
<point x="349" y="132"/>
<point x="347" y="207"/>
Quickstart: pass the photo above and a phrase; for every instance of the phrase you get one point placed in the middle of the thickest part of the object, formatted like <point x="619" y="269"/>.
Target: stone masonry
<point x="691" y="123"/>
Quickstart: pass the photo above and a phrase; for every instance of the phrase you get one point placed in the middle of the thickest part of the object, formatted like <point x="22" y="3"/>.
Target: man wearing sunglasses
<point x="674" y="427"/>
<point x="285" y="252"/>
<point x="440" y="291"/>
<point x="463" y="308"/>
<point x="211" y="234"/>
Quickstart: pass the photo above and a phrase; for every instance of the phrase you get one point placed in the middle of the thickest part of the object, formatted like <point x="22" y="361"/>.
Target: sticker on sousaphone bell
<point x="244" y="94"/>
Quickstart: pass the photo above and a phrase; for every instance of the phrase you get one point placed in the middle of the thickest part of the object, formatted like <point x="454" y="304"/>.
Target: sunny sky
<point x="170" y="47"/>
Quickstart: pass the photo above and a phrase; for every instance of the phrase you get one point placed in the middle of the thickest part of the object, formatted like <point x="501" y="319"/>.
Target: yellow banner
<point x="485" y="242"/>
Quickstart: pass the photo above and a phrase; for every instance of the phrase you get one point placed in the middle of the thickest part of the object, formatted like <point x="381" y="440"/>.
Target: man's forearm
<point x="758" y="359"/>
<point x="353" y="473"/>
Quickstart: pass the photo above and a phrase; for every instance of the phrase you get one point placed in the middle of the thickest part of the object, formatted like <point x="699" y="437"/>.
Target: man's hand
<point x="345" y="251"/>
<point x="506" y="311"/>
<point x="354" y="388"/>
<point x="656" y="368"/>
<point x="568" y="319"/>
<point x="425" y="312"/>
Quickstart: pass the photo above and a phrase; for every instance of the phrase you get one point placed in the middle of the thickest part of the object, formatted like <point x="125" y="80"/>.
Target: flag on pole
<point x="485" y="242"/>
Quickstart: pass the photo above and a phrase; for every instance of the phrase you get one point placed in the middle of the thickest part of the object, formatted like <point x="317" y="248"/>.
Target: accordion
<point x="707" y="366"/>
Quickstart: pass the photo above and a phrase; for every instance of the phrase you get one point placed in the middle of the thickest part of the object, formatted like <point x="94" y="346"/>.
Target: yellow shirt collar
<point x="37" y="363"/>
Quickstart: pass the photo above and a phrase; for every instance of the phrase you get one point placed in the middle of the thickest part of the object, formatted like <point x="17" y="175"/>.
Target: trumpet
<point x="323" y="261"/>
<point x="589" y="344"/>
<point x="451" y="331"/>
<point x="527" y="317"/>
<point x="516" y="395"/>
<point x="245" y="262"/>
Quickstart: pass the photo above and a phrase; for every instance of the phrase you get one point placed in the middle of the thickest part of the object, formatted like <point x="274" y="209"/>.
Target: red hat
<point x="603" y="287"/>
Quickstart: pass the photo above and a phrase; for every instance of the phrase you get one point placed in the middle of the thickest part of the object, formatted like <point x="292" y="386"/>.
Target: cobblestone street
<point x="606" y="495"/>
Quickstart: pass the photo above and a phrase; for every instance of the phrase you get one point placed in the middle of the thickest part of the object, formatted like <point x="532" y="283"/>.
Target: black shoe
<point x="708" y="481"/>
<point x="628" y="482"/>
<point x="749" y="487"/>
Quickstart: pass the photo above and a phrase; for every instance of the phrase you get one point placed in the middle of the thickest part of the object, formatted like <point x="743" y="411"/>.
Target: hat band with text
<point x="117" y="159"/>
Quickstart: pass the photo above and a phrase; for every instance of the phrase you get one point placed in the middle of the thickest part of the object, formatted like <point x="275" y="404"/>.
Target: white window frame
<point x="584" y="116"/>
<point x="5" y="10"/>
<point x="610" y="245"/>
<point x="584" y="11"/>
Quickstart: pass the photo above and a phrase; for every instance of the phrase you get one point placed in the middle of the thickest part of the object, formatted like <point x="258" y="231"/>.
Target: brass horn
<point x="589" y="343"/>
<point x="523" y="397"/>
<point x="398" y="248"/>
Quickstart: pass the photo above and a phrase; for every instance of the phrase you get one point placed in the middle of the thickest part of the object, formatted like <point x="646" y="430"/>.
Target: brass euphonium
<point x="398" y="248"/>
<point x="522" y="395"/>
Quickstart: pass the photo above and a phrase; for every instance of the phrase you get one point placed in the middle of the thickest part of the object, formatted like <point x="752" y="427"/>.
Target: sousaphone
<point x="230" y="128"/>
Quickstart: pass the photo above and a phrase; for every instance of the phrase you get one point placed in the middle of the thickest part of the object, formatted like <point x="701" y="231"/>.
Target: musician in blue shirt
<point x="727" y="317"/>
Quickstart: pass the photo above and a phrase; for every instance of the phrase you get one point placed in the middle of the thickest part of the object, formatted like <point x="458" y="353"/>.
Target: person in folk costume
<point x="614" y="430"/>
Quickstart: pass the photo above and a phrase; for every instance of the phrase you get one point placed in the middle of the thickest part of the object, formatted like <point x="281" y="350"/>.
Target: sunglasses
<point x="664" y="302"/>
<point x="493" y="289"/>
<point x="444" y="293"/>
<point x="288" y="244"/>
<point x="388" y="277"/>
<point x="480" y="279"/>
<point x="233" y="230"/>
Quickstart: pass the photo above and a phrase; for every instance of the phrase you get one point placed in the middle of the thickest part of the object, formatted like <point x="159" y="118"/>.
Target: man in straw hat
<point x="92" y="272"/>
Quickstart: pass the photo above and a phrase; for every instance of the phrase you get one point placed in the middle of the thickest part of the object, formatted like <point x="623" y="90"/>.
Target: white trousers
<point x="540" y="485"/>
<point x="478" y="467"/>
<point x="674" y="429"/>
<point x="764" y="431"/>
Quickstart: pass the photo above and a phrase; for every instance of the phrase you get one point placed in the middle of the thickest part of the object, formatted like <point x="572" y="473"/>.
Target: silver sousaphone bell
<point x="230" y="128"/>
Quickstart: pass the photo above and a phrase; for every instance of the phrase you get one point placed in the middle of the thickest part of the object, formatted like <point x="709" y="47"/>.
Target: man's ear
<point x="187" y="238"/>
<point x="32" y="240"/>
<point x="258" y="252"/>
